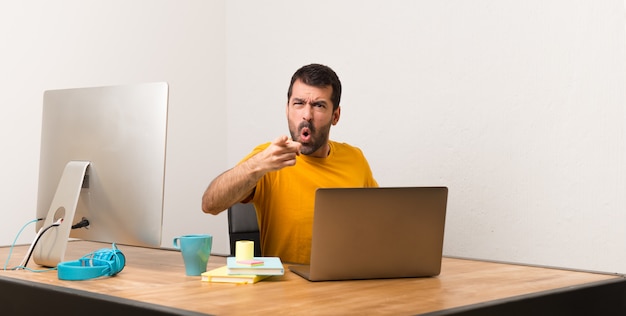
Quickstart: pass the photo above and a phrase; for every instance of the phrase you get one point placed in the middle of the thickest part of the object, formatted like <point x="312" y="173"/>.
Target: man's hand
<point x="279" y="154"/>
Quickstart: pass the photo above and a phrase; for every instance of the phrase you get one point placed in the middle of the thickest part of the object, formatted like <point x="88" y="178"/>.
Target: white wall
<point x="517" y="106"/>
<point x="67" y="44"/>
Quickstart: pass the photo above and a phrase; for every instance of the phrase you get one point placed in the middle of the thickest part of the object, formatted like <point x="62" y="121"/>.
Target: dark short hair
<point x="318" y="76"/>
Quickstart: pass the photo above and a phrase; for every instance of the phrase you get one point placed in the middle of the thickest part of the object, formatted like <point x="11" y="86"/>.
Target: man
<point x="281" y="177"/>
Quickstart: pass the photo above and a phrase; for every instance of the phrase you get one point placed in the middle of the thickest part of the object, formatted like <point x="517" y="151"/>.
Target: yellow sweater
<point x="284" y="199"/>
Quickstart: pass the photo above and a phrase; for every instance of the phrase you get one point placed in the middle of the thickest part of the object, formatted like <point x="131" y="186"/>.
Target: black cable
<point x="83" y="223"/>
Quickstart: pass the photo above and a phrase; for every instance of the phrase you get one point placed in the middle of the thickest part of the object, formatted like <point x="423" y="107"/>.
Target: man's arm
<point x="238" y="183"/>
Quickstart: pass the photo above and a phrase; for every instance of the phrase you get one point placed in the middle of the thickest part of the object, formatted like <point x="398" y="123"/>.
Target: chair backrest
<point x="242" y="225"/>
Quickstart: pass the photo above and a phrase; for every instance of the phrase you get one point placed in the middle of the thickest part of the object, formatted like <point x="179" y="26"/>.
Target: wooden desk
<point x="154" y="281"/>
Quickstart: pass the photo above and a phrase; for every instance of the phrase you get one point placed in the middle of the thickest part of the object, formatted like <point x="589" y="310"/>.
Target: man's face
<point x="310" y="115"/>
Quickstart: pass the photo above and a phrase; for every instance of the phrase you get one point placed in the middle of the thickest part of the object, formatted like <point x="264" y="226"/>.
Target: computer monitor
<point x="103" y="159"/>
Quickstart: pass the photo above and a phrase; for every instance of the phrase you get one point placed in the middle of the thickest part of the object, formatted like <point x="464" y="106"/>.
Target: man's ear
<point x="336" y="115"/>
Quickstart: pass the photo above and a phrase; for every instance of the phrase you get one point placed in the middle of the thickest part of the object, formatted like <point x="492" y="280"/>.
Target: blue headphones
<point x="103" y="262"/>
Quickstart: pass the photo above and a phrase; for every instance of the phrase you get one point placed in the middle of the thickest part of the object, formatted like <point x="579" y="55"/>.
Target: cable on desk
<point x="15" y="241"/>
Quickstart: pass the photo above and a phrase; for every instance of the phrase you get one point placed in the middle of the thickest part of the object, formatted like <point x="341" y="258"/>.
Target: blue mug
<point x="196" y="250"/>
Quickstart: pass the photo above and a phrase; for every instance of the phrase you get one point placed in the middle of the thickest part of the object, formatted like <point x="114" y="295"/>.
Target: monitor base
<point x="50" y="249"/>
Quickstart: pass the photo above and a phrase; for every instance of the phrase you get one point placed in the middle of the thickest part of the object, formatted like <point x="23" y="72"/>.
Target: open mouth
<point x="305" y="135"/>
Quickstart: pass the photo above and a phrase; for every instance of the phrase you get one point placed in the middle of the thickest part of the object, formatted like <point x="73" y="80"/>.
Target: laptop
<point x="373" y="233"/>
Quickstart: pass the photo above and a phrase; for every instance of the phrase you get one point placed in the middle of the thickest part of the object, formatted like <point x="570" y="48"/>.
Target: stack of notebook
<point x="245" y="271"/>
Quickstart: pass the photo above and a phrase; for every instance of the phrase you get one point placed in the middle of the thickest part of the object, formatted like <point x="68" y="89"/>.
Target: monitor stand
<point x="50" y="248"/>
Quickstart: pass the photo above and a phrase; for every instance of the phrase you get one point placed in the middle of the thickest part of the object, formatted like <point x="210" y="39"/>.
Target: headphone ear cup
<point x="104" y="254"/>
<point x="114" y="256"/>
<point x="121" y="259"/>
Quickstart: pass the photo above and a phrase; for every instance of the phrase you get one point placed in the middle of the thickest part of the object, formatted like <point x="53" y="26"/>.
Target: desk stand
<point x="50" y="248"/>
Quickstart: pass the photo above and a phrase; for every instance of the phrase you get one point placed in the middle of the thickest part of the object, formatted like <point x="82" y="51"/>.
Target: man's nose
<point x="307" y="112"/>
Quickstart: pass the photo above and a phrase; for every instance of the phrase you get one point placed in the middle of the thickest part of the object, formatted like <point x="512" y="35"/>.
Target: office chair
<point x="242" y="225"/>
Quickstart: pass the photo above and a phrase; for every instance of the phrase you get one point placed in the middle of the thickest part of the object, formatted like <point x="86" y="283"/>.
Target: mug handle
<point x="175" y="243"/>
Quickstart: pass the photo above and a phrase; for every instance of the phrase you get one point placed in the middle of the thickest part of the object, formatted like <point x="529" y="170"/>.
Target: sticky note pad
<point x="250" y="263"/>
